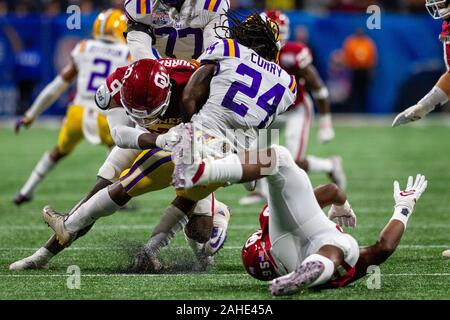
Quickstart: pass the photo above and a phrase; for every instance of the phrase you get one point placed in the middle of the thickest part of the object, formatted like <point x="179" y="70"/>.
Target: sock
<point x="172" y="221"/>
<point x="317" y="165"/>
<point x="100" y="205"/>
<point x="42" y="168"/>
<point x="327" y="272"/>
<point x="402" y="214"/>
<point x="228" y="169"/>
<point x="42" y="255"/>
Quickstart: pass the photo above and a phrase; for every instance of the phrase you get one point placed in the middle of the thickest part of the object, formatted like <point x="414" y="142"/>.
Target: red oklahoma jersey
<point x="295" y="56"/>
<point x="180" y="71"/>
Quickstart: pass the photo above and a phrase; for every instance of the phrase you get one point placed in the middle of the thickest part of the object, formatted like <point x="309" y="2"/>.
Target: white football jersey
<point x="185" y="34"/>
<point x="95" y="61"/>
<point x="247" y="92"/>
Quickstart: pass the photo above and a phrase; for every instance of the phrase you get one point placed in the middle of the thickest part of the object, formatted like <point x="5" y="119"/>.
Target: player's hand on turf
<point x="168" y="140"/>
<point x="411" y="114"/>
<point x="343" y="215"/>
<point x="23" y="122"/>
<point x="409" y="196"/>
<point x="326" y="131"/>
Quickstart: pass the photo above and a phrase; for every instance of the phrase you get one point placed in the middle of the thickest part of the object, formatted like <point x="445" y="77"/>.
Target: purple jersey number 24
<point x="267" y="101"/>
<point x="99" y="75"/>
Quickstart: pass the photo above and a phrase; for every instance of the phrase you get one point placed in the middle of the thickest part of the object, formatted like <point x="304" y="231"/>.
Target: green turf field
<point x="374" y="156"/>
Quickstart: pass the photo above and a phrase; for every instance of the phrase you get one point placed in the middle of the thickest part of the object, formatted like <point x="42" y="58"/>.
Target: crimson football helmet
<point x="255" y="259"/>
<point x="145" y="92"/>
<point x="283" y="23"/>
<point x="438" y="9"/>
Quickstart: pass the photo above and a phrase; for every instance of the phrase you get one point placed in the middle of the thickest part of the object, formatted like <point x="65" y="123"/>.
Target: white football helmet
<point x="438" y="9"/>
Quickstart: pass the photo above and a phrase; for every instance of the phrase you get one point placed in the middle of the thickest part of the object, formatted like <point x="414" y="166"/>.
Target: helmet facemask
<point x="142" y="118"/>
<point x="438" y="9"/>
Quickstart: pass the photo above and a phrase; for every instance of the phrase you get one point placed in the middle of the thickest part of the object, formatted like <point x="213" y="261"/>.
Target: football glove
<point x="343" y="215"/>
<point x="411" y="114"/>
<point x="408" y="197"/>
<point x="168" y="140"/>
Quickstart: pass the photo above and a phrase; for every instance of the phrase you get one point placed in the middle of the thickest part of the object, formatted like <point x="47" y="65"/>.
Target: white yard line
<point x="102" y="275"/>
<point x="148" y="227"/>
<point x="100" y="248"/>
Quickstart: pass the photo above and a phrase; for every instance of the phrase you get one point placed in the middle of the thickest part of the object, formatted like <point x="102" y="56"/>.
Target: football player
<point x="251" y="51"/>
<point x="142" y="102"/>
<point x="296" y="58"/>
<point x="298" y="246"/>
<point x="179" y="28"/>
<point x="91" y="62"/>
<point x="439" y="95"/>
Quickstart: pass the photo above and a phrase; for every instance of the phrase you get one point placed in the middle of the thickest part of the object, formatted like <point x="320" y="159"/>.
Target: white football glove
<point x="408" y="197"/>
<point x="326" y="131"/>
<point x="344" y="215"/>
<point x="168" y="140"/>
<point x="411" y="114"/>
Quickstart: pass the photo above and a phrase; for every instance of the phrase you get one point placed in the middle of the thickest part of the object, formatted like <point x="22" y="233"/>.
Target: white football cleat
<point x="301" y="278"/>
<point x="56" y="222"/>
<point x="38" y="260"/>
<point x="337" y="174"/>
<point x="222" y="217"/>
<point x="190" y="170"/>
<point x="446" y="253"/>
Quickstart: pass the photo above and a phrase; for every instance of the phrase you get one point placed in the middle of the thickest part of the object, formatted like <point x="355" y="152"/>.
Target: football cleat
<point x="20" y="199"/>
<point x="446" y="253"/>
<point x="301" y="278"/>
<point x="337" y="174"/>
<point x="146" y="262"/>
<point x="29" y="263"/>
<point x="190" y="170"/>
<point x="56" y="222"/>
<point x="219" y="231"/>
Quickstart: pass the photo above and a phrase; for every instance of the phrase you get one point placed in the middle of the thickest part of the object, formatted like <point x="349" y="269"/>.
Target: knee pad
<point x="117" y="161"/>
<point x="283" y="158"/>
<point x="204" y="207"/>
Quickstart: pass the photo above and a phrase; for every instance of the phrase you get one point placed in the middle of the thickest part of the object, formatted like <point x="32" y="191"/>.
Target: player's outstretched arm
<point x="320" y="94"/>
<point x="341" y="210"/>
<point x="438" y="96"/>
<point x="48" y="96"/>
<point x="392" y="233"/>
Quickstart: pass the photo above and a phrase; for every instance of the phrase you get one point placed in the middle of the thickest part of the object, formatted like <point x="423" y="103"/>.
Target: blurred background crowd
<point x="54" y="7"/>
<point x="367" y="71"/>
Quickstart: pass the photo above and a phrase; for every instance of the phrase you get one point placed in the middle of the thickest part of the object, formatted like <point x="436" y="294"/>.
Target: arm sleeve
<point x="122" y="129"/>
<point x="47" y="97"/>
<point x="140" y="45"/>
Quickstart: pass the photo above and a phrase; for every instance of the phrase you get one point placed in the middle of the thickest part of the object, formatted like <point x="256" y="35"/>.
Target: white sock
<point x="228" y="169"/>
<point x="42" y="255"/>
<point x="100" y="205"/>
<point x="327" y="272"/>
<point x="317" y="165"/>
<point x="42" y="168"/>
<point x="172" y="221"/>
